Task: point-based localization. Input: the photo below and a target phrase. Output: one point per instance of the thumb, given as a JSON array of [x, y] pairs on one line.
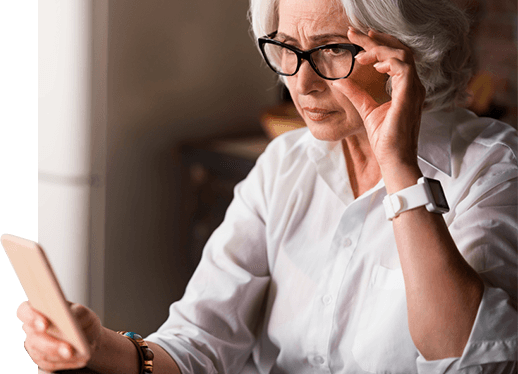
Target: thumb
[[361, 100]]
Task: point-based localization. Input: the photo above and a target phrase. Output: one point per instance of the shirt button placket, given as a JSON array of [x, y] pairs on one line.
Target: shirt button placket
[[319, 360], [327, 299], [346, 242], [316, 360]]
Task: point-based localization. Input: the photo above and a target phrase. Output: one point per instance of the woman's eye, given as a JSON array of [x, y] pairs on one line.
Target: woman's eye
[[334, 51]]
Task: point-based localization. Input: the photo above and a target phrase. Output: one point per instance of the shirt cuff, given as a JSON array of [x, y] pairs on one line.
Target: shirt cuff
[[188, 359], [493, 337]]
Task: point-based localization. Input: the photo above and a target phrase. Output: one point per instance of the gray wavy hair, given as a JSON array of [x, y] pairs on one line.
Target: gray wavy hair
[[436, 31]]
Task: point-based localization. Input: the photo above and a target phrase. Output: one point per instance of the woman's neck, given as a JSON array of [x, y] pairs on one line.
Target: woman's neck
[[362, 166]]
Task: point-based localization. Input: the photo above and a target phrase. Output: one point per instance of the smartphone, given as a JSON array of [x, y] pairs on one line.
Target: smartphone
[[43, 290]]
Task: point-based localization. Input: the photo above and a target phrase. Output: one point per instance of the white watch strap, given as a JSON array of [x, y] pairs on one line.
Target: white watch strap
[[406, 199]]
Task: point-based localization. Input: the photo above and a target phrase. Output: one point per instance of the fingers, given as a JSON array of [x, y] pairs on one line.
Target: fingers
[[374, 39], [358, 96], [42, 346], [48, 352], [377, 38], [389, 56], [394, 67], [381, 54], [52, 354], [89, 322], [31, 317], [379, 47]]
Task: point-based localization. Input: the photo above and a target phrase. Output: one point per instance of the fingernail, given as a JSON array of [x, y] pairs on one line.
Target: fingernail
[[65, 352], [40, 325], [360, 54], [376, 65]]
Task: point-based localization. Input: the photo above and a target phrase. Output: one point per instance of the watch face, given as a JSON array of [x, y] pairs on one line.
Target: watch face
[[438, 194]]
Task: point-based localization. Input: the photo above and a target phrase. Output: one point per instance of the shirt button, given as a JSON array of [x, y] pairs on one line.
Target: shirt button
[[327, 299], [346, 242], [319, 360]]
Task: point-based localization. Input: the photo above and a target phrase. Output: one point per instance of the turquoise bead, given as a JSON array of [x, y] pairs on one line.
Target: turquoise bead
[[133, 335]]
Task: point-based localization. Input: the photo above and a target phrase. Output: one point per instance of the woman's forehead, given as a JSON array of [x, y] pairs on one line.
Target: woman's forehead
[[309, 17]]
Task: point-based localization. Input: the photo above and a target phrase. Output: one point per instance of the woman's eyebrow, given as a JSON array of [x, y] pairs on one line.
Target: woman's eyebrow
[[285, 38], [319, 38], [322, 38]]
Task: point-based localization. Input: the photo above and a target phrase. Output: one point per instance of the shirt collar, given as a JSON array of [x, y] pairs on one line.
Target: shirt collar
[[330, 165], [434, 145], [319, 149]]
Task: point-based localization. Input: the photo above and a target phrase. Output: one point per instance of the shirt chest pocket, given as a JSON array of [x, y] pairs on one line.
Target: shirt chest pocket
[[382, 342]]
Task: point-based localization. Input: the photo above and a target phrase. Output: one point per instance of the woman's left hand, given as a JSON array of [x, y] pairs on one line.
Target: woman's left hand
[[392, 127]]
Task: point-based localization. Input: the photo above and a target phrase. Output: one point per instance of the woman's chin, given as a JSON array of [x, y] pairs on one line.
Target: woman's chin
[[327, 131]]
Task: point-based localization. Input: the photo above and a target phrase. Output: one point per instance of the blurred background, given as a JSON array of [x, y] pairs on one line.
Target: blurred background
[[149, 112]]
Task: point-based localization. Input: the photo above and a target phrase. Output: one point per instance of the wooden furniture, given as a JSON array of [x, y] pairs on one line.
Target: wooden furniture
[[210, 171]]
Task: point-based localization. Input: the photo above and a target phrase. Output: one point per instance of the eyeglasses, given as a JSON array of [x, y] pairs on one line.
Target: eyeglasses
[[331, 61]]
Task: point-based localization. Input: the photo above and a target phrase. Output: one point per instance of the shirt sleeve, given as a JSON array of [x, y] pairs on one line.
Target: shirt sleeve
[[212, 328], [485, 231]]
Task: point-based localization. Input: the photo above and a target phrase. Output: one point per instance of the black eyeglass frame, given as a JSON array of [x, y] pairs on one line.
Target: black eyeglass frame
[[306, 55]]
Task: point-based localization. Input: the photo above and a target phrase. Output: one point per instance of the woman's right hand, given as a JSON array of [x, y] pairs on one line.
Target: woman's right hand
[[51, 354]]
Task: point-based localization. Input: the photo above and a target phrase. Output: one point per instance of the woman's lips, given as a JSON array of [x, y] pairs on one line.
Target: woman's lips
[[318, 114]]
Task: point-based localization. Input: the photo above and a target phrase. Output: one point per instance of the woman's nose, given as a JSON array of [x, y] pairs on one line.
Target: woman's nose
[[308, 80]]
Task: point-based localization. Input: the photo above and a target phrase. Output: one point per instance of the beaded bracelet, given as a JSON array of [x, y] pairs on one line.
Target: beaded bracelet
[[145, 353]]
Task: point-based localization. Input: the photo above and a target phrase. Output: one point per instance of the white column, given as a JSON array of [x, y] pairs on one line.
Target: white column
[[67, 178]]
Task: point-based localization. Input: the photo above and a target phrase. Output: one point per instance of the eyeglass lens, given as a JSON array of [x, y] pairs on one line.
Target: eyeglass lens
[[331, 62]]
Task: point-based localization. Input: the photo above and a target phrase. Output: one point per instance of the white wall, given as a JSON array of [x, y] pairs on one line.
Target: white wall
[[177, 70]]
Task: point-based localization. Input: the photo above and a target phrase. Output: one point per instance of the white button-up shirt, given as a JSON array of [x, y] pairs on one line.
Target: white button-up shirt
[[301, 277]]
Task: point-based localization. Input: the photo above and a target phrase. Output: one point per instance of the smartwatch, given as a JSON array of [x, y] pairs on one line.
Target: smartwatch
[[426, 192]]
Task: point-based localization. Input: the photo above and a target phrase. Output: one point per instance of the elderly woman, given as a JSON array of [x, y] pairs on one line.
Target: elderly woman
[[381, 238]]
